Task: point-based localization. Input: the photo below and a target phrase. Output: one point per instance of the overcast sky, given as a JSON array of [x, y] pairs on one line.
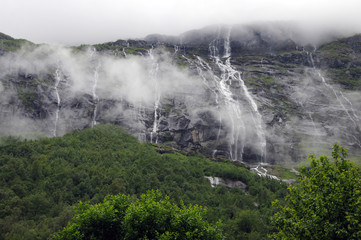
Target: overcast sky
[[95, 21]]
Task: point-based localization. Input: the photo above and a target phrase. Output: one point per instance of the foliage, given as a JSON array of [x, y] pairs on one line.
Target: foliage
[[8, 43], [151, 217], [27, 97], [349, 78], [41, 180], [342, 58], [6, 140], [114, 47], [326, 204]]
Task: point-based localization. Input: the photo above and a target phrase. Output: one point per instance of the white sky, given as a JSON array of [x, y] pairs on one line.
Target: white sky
[[96, 21]]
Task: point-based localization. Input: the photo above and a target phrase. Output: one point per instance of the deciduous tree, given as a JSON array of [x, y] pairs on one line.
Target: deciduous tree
[[325, 204], [151, 217]]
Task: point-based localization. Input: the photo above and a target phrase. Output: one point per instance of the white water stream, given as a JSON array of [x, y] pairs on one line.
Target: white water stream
[[154, 77], [213, 180], [57, 81], [341, 99], [228, 76], [338, 94], [94, 94], [94, 88], [227, 102], [262, 172]]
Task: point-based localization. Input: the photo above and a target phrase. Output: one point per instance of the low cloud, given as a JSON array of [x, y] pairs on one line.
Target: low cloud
[[75, 22]]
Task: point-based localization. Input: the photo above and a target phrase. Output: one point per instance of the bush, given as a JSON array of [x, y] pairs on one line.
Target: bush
[[325, 204]]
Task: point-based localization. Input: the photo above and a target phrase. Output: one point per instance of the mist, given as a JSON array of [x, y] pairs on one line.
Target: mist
[[76, 22], [165, 94], [144, 94], [136, 80]]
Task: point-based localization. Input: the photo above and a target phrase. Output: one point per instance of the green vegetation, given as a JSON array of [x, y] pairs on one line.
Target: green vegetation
[[27, 97], [182, 63], [343, 60], [265, 80], [151, 217], [349, 78], [281, 171], [8, 43], [41, 181], [112, 47], [7, 140], [325, 204], [356, 160], [80, 48]]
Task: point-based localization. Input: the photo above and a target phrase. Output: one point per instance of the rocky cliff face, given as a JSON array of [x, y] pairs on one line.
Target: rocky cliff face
[[247, 93]]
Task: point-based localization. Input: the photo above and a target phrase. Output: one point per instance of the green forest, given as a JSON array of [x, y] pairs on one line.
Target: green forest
[[43, 181], [102, 183]]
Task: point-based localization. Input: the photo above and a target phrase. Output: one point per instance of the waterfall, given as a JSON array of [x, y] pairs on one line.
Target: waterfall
[[154, 78], [338, 94], [351, 106], [313, 123], [140, 113], [263, 172], [176, 49], [232, 109], [94, 88], [57, 81], [215, 181], [228, 76], [204, 66], [94, 94], [227, 43]]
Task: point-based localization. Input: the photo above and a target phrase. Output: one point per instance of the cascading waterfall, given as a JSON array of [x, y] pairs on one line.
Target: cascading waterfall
[[94, 94], [263, 172], [226, 101], [154, 77], [142, 136], [338, 95], [57, 81], [223, 99], [94, 88], [204, 66], [227, 44], [228, 75], [353, 118], [351, 106], [213, 180], [313, 123], [176, 49]]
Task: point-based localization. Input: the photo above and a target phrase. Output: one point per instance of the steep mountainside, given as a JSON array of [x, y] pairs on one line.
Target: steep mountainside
[[248, 93]]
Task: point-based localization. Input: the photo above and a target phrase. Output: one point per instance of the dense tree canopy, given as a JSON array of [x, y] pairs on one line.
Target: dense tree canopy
[[325, 204], [151, 217], [41, 181]]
